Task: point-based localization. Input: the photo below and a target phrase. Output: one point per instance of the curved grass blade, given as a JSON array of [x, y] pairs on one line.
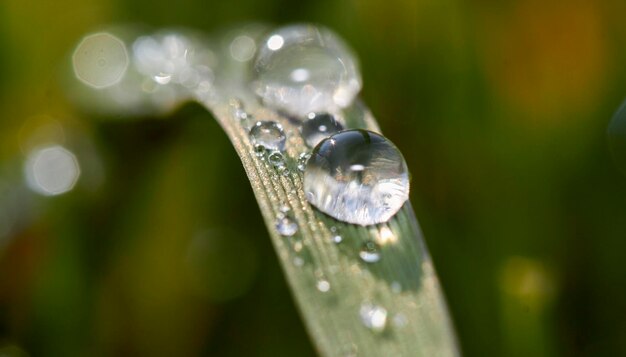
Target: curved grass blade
[[335, 289]]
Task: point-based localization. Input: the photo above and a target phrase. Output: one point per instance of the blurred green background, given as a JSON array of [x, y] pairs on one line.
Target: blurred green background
[[500, 108]]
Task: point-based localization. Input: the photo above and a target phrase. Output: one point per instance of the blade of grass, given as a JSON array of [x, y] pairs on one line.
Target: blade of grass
[[403, 282]]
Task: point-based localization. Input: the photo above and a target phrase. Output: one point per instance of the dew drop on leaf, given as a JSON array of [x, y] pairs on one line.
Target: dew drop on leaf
[[357, 176], [270, 134], [303, 68]]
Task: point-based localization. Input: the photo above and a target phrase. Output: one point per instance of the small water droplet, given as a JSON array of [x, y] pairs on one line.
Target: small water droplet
[[373, 316], [277, 160], [284, 208], [286, 226], [302, 160], [270, 134], [245, 119], [302, 68], [323, 285], [370, 252], [357, 176], [337, 239], [319, 127], [259, 150]]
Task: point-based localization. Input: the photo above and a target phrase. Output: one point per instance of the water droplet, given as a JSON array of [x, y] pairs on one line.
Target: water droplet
[[302, 160], [357, 176], [370, 252], [277, 160], [286, 226], [319, 127], [337, 239], [245, 119], [270, 134], [373, 316], [259, 151], [302, 68], [323, 285]]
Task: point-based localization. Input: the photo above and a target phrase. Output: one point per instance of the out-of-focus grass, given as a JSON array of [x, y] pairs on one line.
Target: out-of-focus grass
[[500, 109]]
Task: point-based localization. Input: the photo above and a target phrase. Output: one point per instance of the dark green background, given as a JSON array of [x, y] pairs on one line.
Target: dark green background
[[500, 108]]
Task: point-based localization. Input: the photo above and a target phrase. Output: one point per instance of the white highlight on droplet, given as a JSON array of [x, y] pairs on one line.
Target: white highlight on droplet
[[100, 60], [300, 75], [52, 170], [275, 42]]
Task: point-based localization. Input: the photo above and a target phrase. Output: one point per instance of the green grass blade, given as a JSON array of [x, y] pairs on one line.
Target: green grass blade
[[403, 282]]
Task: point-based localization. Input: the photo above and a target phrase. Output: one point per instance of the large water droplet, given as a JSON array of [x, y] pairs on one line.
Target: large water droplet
[[277, 160], [319, 127], [302, 68], [270, 134], [357, 176], [373, 316], [370, 252], [286, 226], [617, 137]]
